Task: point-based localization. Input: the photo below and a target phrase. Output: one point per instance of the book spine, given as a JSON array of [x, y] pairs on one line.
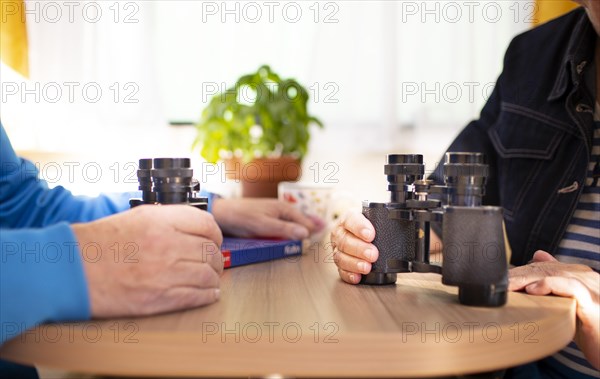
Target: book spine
[[256, 254]]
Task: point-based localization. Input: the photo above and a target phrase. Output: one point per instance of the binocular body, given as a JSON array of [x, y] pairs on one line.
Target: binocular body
[[474, 248], [168, 181]]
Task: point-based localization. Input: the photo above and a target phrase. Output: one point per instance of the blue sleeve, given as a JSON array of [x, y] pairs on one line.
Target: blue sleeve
[[41, 272], [26, 201], [41, 279]]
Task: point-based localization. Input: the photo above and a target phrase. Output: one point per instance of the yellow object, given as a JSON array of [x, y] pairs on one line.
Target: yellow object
[[548, 9], [13, 36]]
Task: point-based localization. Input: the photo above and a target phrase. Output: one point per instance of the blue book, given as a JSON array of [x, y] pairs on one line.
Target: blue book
[[243, 251]]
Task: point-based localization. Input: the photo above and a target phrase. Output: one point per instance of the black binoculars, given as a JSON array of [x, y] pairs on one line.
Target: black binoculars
[[474, 255], [168, 181]]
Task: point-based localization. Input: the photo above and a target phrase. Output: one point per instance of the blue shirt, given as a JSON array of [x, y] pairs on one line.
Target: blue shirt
[[41, 271]]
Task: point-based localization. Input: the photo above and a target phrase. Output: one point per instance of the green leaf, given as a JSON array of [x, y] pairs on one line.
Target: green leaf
[[280, 109]]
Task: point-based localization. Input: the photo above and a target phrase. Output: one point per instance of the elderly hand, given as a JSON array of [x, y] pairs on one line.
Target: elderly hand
[[545, 275], [354, 252], [151, 259], [263, 218]]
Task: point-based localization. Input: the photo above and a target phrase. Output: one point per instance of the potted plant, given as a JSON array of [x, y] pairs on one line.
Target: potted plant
[[260, 128]]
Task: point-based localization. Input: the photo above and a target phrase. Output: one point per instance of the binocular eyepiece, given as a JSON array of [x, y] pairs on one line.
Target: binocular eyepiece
[[168, 181], [474, 250]]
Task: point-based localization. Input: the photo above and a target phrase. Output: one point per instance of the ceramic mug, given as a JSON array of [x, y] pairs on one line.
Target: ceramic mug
[[310, 198]]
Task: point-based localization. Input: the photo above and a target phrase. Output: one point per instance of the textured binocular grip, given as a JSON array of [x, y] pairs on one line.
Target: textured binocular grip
[[395, 239], [474, 249]]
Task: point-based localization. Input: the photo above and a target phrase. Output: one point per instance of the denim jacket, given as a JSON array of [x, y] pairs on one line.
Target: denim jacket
[[536, 131]]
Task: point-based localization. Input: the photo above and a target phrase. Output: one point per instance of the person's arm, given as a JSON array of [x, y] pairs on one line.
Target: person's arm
[[41, 279], [144, 261], [157, 258]]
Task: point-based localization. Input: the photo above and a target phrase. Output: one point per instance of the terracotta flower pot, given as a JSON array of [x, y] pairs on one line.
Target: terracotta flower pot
[[261, 176]]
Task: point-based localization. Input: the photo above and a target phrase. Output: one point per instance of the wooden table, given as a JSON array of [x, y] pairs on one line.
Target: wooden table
[[294, 317]]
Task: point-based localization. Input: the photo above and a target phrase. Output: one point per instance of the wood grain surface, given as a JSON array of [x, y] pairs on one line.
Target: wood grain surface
[[294, 317]]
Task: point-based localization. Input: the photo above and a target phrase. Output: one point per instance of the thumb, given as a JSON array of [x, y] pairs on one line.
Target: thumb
[[542, 256]]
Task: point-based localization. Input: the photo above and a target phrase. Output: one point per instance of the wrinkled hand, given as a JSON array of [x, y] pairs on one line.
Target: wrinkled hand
[[545, 275], [151, 259], [354, 252], [263, 218]]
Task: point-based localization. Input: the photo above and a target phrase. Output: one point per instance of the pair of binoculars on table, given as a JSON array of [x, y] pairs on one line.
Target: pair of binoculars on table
[[168, 181], [474, 255]]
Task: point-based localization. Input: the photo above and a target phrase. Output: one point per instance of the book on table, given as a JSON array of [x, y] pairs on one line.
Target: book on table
[[243, 251]]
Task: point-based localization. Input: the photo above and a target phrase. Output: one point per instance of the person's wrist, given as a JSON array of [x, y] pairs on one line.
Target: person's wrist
[[210, 197], [224, 214], [79, 230], [215, 201]]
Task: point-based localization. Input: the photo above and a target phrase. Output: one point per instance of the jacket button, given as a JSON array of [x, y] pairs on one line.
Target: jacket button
[[580, 67]]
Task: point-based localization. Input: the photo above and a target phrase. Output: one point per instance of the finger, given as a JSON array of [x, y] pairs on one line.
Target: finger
[[537, 270], [199, 250], [190, 220], [290, 213], [561, 286], [319, 222], [348, 243], [272, 227], [358, 225], [351, 264], [212, 255], [542, 256], [519, 277], [179, 298], [194, 248], [519, 282], [192, 274], [349, 277]]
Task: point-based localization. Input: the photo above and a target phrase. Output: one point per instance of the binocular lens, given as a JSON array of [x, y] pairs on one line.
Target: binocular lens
[[165, 180], [404, 158], [402, 170], [172, 178], [465, 175], [465, 158], [161, 163]]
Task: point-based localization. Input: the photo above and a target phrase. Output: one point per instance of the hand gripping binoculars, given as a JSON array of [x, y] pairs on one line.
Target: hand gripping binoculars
[[168, 181], [474, 255]]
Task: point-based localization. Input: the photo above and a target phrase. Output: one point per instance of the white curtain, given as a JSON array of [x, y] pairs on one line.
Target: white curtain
[[375, 64], [371, 66], [92, 84]]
